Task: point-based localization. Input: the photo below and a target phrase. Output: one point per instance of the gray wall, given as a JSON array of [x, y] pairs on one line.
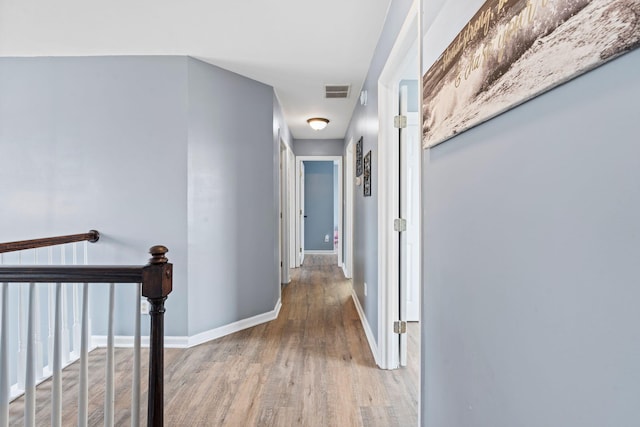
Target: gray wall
[[318, 205], [148, 150], [365, 216], [99, 143], [530, 314], [318, 147], [231, 204]]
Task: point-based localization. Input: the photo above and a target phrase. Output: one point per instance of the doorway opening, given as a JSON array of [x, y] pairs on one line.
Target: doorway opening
[[285, 207], [399, 233], [319, 207]]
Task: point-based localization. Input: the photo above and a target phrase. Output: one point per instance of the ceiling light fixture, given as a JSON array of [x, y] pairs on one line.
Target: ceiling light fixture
[[318, 123]]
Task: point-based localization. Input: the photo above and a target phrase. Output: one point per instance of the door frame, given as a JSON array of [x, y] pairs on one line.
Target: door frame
[[284, 201], [348, 202], [388, 198], [338, 160]]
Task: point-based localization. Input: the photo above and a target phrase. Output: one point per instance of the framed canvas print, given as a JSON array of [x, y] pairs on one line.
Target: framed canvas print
[[359, 157], [367, 174]]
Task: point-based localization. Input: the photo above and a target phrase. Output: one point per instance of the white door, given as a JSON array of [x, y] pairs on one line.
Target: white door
[[302, 213], [348, 204], [291, 185], [409, 210], [284, 218]]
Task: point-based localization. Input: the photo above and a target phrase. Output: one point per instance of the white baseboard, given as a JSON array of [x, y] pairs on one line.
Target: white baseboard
[[320, 252], [367, 328], [202, 337], [345, 271], [240, 325]]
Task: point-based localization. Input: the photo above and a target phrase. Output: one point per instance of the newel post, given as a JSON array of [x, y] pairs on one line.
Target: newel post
[[157, 279]]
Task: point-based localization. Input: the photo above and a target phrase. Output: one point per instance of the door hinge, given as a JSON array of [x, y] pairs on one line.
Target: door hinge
[[280, 263], [400, 122], [300, 250], [399, 327], [400, 224]]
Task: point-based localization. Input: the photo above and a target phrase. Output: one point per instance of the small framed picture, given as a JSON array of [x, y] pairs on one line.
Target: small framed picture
[[359, 157], [367, 174]]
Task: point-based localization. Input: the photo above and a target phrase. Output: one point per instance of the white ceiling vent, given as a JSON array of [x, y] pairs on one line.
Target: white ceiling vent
[[336, 91]]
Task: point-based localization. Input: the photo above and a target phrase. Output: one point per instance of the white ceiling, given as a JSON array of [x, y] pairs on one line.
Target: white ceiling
[[296, 46]]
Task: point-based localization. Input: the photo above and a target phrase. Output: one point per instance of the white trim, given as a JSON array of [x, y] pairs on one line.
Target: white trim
[[345, 271], [320, 252], [367, 328], [201, 338], [235, 326], [388, 201]]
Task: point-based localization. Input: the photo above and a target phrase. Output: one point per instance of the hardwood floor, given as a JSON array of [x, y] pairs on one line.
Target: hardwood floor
[[310, 367]]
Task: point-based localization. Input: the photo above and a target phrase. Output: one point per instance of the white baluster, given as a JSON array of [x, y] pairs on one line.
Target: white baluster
[[89, 329], [30, 371], [4, 357], [109, 395], [76, 309], [22, 332], [83, 392], [22, 338], [65, 317], [37, 333], [56, 399], [135, 393], [52, 315]]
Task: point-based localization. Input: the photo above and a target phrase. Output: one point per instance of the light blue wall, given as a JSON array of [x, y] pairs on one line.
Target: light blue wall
[[318, 147], [232, 211], [99, 143], [530, 302], [318, 205], [365, 123], [148, 150]]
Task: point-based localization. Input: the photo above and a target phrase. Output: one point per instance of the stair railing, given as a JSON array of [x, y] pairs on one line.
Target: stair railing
[[154, 282]]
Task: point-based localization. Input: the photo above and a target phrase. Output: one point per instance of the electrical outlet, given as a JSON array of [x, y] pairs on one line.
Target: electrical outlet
[[144, 306], [326, 238], [365, 289]]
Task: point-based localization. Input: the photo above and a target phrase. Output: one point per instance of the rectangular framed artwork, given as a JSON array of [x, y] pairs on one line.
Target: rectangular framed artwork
[[514, 50], [359, 157], [367, 174]]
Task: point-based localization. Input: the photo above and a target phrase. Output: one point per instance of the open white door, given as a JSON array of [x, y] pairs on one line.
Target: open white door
[[291, 182], [284, 216], [410, 210], [302, 213], [348, 211], [401, 67], [409, 154]]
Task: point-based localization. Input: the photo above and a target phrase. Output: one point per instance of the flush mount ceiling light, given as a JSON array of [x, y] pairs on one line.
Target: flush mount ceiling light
[[318, 123]]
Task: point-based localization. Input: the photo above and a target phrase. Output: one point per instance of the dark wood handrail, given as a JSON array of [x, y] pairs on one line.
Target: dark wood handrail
[[92, 236], [157, 282]]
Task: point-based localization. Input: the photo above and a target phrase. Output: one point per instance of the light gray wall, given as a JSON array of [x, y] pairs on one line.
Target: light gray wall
[[232, 211], [98, 143], [318, 147], [318, 205], [148, 150], [530, 302], [365, 216]]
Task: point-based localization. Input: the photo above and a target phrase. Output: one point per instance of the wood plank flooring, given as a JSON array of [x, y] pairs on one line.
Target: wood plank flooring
[[310, 367]]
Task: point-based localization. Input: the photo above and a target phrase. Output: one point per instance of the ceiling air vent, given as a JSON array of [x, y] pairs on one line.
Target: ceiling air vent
[[337, 91]]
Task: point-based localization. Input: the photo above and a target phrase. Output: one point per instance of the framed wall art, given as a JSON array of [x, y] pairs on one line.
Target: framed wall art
[[367, 174], [359, 157], [512, 51]]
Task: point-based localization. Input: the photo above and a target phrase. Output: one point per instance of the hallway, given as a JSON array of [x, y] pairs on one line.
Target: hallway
[[310, 367]]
